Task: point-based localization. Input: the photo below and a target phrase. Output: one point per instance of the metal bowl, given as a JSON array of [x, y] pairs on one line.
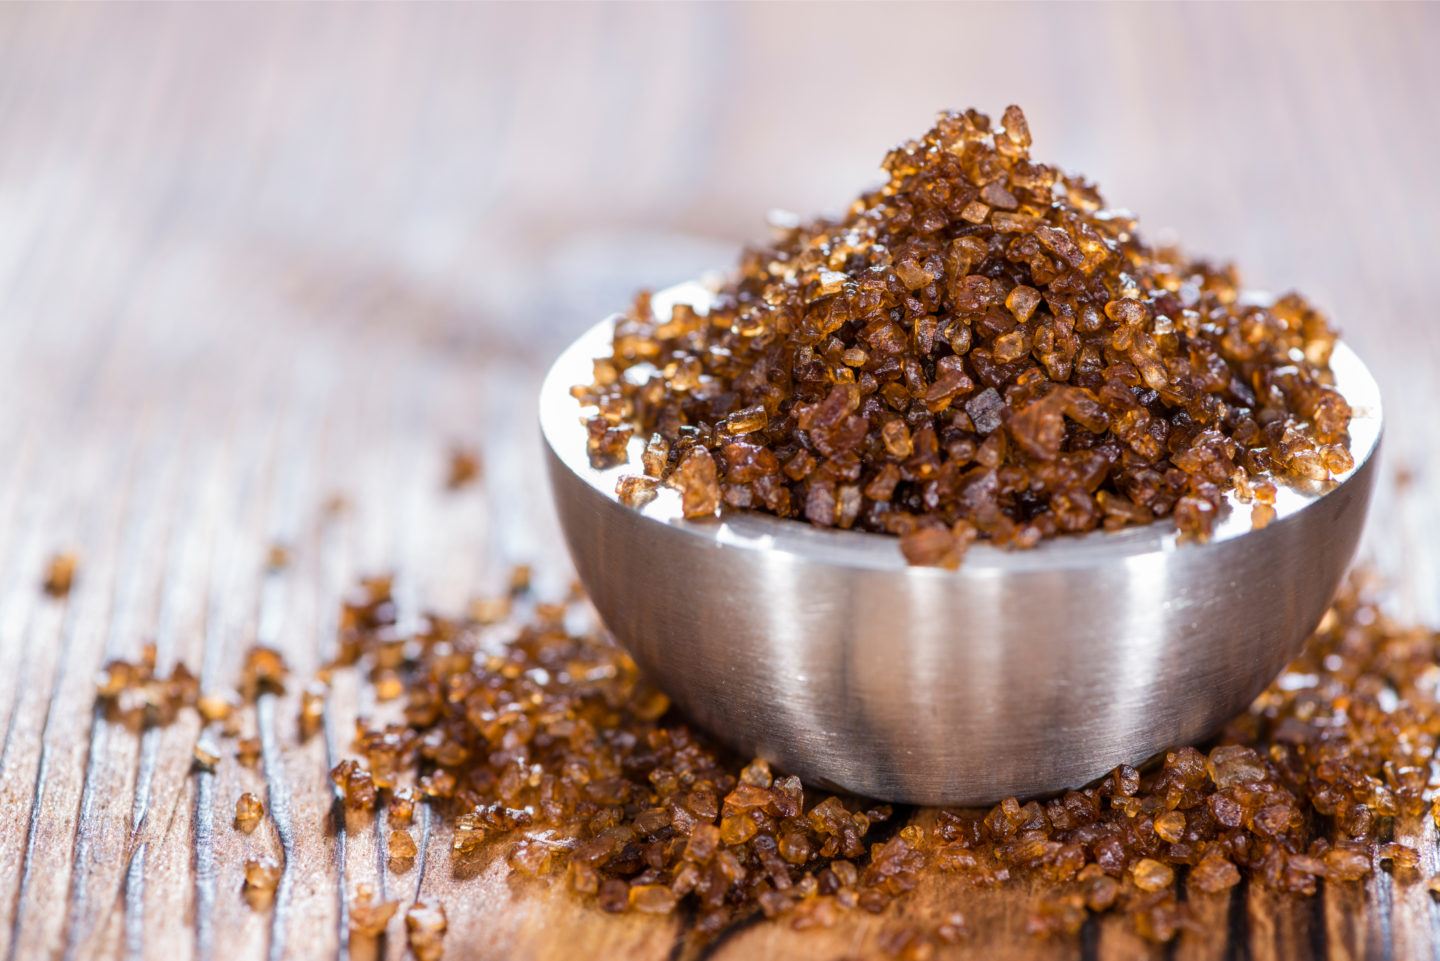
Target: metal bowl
[[1022, 673]]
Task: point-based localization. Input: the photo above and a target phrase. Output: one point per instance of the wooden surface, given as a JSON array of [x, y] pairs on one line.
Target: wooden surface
[[253, 258]]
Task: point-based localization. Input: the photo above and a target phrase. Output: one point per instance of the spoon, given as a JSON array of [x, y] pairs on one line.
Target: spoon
[[1022, 673]]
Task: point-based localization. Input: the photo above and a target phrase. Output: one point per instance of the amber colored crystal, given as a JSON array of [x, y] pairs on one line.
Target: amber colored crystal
[[261, 877], [401, 849], [402, 805], [462, 468], [216, 705], [368, 917], [247, 751], [355, 784], [550, 750], [312, 708], [264, 671], [1151, 875]]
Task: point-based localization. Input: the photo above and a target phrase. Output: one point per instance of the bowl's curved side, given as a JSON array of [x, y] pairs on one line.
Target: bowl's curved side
[[957, 690]]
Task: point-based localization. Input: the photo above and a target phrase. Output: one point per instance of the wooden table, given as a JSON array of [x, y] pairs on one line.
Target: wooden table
[[255, 258]]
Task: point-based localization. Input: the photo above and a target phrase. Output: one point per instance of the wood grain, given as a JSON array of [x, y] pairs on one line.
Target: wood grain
[[254, 259]]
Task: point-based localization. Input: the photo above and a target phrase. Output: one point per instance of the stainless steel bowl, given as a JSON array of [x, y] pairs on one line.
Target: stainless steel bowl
[[1021, 673]]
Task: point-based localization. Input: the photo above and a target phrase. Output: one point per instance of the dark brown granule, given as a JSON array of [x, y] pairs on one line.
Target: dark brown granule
[[978, 348], [463, 468], [60, 574]]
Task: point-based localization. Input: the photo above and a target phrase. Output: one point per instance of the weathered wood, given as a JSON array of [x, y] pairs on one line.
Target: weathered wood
[[252, 259]]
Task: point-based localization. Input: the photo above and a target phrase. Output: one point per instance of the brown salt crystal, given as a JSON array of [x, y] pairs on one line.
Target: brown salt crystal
[[264, 671], [425, 925], [975, 212], [585, 879], [531, 857], [402, 805], [652, 899], [277, 558], [114, 677], [871, 355], [469, 832], [984, 410], [1337, 459], [248, 812], [757, 774], [1401, 856], [1297, 789], [932, 547], [1022, 302], [247, 751], [746, 421], [614, 896], [737, 828], [635, 491], [1152, 875], [952, 930], [1101, 892], [261, 877], [656, 456], [387, 684], [1232, 765], [696, 480], [462, 468], [312, 709], [490, 610], [1343, 864], [60, 574], [207, 755], [401, 849], [897, 438], [216, 705], [1170, 825], [356, 784], [368, 918]]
